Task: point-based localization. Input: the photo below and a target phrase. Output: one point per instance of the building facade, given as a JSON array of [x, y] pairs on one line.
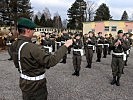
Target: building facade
[[107, 27]]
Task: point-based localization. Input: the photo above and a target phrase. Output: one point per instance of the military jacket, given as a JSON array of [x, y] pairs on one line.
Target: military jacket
[[34, 61], [120, 48], [90, 41], [77, 45]]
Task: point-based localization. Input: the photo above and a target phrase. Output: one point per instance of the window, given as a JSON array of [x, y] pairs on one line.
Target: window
[[106, 28], [114, 28], [93, 30], [129, 30]]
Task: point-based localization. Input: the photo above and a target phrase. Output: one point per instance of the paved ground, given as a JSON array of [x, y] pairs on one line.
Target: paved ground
[[92, 84]]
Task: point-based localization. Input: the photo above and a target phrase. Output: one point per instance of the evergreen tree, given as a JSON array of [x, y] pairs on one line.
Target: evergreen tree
[[42, 20], [57, 23], [12, 10], [36, 20], [102, 13], [124, 16], [76, 14], [49, 23]]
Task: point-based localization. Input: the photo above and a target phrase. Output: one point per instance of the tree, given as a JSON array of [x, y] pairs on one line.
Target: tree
[[57, 23], [90, 10], [36, 20], [42, 20], [102, 13], [47, 13], [12, 10], [4, 12], [64, 23], [49, 23], [124, 16], [76, 14]]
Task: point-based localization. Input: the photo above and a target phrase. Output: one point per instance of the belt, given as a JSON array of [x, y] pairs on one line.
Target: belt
[[118, 54], [81, 51], [106, 44], [49, 48], [40, 77], [62, 41], [89, 45], [59, 43], [8, 43], [100, 45]]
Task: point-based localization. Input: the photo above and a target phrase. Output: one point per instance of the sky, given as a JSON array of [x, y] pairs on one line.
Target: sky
[[116, 7]]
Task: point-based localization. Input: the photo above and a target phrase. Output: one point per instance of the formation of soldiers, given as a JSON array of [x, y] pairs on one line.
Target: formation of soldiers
[[87, 45]]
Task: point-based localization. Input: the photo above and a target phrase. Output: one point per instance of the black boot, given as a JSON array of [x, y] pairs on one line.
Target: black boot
[[77, 73], [113, 81], [104, 56], [87, 66], [74, 73], [10, 59], [125, 63], [122, 71], [63, 61], [98, 60], [118, 81]]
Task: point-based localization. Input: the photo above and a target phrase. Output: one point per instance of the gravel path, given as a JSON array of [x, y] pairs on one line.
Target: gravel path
[[92, 84]]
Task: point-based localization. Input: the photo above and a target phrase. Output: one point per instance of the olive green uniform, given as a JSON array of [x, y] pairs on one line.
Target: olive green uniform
[[117, 63], [34, 62], [99, 47], [47, 42], [90, 45], [105, 47], [77, 56], [64, 38]]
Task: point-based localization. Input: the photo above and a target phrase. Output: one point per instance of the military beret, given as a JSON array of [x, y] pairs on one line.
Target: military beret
[[26, 23], [99, 33], [90, 32], [120, 31], [125, 34], [77, 35]]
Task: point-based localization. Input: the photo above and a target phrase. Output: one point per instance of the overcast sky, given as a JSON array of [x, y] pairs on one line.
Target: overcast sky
[[116, 7]]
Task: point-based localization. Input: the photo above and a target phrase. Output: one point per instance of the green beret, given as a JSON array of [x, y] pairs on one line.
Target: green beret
[[90, 32], [120, 31], [26, 23]]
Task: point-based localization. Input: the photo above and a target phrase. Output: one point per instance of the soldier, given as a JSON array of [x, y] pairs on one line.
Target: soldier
[[64, 38], [99, 46], [90, 46], [47, 43], [52, 37], [127, 41], [58, 41], [110, 43], [105, 46], [118, 57], [9, 41], [32, 61], [77, 53]]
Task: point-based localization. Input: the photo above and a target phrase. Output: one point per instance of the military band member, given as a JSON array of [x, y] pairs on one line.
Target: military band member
[[99, 46], [126, 40], [105, 46], [77, 53], [90, 46], [58, 41], [64, 38], [118, 57], [47, 43], [52, 37], [32, 61], [111, 39]]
